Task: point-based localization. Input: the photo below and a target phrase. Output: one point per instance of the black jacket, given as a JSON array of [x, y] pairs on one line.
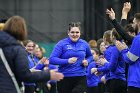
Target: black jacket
[[122, 32], [18, 61]]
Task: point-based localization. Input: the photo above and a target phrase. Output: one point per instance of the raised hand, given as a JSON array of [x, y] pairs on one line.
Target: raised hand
[[111, 13], [126, 7], [125, 10]]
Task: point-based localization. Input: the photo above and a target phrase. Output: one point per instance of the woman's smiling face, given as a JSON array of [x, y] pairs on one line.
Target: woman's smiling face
[[74, 34]]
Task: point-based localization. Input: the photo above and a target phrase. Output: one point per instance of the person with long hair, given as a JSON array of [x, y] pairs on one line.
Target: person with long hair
[[14, 31]]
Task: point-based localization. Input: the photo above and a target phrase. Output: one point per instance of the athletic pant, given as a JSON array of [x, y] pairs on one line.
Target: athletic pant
[[133, 90], [75, 84], [92, 89], [116, 86]]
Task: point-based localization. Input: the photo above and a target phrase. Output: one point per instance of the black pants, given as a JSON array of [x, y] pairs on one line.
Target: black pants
[[72, 85], [92, 89], [101, 87], [116, 86], [133, 90]]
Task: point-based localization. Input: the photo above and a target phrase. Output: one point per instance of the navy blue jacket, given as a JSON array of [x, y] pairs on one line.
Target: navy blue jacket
[[18, 61]]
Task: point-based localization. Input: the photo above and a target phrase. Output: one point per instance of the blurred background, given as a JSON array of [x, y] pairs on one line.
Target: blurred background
[[48, 20]]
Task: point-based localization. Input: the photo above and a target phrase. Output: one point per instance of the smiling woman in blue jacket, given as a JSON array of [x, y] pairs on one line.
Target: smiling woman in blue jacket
[[72, 54]]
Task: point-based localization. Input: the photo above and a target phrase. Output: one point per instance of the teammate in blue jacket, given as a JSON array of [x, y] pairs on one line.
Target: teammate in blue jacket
[[131, 56], [72, 54]]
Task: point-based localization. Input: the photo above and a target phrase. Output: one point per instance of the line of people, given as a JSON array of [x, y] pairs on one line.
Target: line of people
[[121, 55], [74, 66]]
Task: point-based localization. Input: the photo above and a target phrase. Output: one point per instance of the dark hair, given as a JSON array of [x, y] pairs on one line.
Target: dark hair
[[74, 24], [96, 50], [137, 16], [16, 27], [116, 34], [99, 41], [130, 28]]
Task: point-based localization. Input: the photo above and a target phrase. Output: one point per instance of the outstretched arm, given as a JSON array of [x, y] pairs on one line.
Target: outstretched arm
[[125, 11], [118, 27]]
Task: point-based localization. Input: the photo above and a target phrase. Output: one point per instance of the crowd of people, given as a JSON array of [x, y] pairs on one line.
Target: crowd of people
[[110, 64]]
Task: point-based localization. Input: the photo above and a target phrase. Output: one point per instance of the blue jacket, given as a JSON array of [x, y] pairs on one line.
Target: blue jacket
[[116, 65], [107, 56], [18, 61], [133, 58], [92, 79], [32, 62], [66, 49]]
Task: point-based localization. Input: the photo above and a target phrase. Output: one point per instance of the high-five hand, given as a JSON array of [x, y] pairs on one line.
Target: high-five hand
[[111, 13]]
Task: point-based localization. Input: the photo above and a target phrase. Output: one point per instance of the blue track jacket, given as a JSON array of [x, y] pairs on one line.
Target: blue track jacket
[[66, 49], [116, 65], [92, 79], [132, 57]]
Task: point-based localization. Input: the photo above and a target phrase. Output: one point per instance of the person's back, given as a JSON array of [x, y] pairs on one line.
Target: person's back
[[14, 30], [7, 82], [9, 46]]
